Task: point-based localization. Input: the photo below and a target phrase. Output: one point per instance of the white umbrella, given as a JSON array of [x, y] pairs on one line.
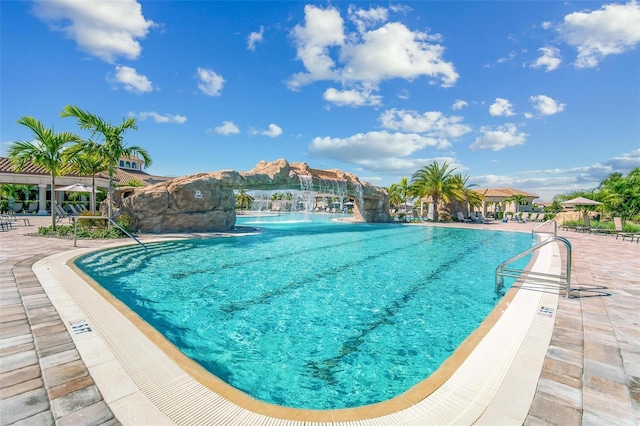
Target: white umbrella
[[582, 202], [81, 187], [76, 187]]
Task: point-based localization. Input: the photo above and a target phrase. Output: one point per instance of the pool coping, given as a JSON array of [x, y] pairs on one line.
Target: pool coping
[[162, 387]]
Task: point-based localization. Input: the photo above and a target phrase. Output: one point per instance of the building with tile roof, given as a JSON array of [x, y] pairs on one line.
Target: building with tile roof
[[494, 200], [130, 172]]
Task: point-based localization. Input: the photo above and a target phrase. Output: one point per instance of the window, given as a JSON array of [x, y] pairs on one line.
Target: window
[[128, 164], [121, 163], [133, 165]]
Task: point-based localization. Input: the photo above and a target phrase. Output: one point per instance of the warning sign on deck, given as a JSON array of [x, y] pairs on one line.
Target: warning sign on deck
[[80, 326]]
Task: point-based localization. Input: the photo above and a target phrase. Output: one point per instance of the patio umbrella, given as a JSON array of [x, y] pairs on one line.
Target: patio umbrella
[[81, 187], [582, 202], [76, 187]]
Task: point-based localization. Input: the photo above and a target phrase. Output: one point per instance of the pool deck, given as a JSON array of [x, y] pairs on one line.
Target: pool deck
[[589, 375]]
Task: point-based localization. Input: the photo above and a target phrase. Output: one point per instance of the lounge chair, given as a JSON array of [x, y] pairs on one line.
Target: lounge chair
[[483, 219], [17, 207], [5, 222], [534, 217], [33, 208], [619, 231], [461, 218]]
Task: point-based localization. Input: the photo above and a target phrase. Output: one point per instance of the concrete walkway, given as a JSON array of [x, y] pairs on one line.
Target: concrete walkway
[[591, 373]]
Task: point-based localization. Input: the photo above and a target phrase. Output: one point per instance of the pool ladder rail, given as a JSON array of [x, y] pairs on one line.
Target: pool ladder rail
[[75, 230], [563, 280], [548, 222]]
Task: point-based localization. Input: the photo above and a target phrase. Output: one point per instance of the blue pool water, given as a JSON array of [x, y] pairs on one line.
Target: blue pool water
[[317, 315]]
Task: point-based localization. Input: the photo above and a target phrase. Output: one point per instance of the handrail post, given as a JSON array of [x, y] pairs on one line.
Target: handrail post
[[500, 270]]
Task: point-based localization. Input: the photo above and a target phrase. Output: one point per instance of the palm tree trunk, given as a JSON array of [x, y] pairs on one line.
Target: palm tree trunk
[[53, 202]]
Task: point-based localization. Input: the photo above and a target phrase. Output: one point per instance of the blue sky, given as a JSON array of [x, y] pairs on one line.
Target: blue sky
[[543, 96]]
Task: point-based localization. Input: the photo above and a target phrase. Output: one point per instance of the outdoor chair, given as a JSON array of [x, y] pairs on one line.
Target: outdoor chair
[[461, 218], [619, 231], [33, 208], [5, 222], [483, 219], [16, 208]]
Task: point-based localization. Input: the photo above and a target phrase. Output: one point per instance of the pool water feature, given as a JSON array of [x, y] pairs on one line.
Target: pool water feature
[[316, 315]]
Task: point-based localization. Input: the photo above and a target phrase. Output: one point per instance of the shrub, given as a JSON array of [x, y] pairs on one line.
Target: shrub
[[84, 222]]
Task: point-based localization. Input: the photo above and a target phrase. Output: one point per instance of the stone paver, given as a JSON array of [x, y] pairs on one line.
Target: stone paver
[[591, 375]]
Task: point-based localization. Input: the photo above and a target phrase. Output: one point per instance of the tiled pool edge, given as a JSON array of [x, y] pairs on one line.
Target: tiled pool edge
[[416, 412]]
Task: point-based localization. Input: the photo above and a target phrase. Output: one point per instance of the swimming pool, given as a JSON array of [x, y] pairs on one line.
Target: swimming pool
[[320, 315]]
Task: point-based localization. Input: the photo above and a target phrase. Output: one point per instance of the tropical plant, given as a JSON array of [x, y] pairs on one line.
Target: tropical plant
[[46, 151], [437, 182], [243, 200], [86, 159], [112, 147], [517, 200], [463, 190], [399, 193], [621, 195]]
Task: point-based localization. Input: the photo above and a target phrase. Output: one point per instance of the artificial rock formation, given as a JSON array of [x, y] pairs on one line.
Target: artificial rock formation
[[205, 202]]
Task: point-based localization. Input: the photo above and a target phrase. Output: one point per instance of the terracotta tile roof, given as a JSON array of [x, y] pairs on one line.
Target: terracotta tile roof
[[32, 169], [127, 176], [503, 192], [121, 176]]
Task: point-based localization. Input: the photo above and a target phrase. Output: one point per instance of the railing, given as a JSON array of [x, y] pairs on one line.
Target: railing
[[75, 229], [555, 227], [503, 271]]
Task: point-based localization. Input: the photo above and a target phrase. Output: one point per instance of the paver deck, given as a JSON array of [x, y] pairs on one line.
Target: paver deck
[[591, 373]]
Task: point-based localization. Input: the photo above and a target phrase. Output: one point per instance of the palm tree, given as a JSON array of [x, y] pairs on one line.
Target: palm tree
[[112, 147], [85, 158], [399, 193], [45, 151], [436, 181], [463, 191], [517, 199], [243, 200]]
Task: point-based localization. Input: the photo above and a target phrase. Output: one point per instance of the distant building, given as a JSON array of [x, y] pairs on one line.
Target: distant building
[[495, 200]]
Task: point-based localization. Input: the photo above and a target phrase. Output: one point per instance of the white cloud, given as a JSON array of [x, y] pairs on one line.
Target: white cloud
[[273, 131], [500, 138], [131, 80], [613, 29], [364, 148], [254, 38], [106, 29], [365, 57], [459, 104], [528, 115], [351, 97], [159, 118], [501, 107], [227, 128], [364, 19], [546, 105], [511, 57], [431, 123], [323, 29], [550, 59], [546, 25], [547, 183], [210, 83]]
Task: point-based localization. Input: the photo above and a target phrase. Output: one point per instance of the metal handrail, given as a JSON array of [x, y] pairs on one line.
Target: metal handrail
[[555, 227], [75, 229], [502, 270]]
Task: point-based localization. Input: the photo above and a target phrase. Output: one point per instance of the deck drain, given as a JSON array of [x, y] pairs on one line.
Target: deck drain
[[547, 312]]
